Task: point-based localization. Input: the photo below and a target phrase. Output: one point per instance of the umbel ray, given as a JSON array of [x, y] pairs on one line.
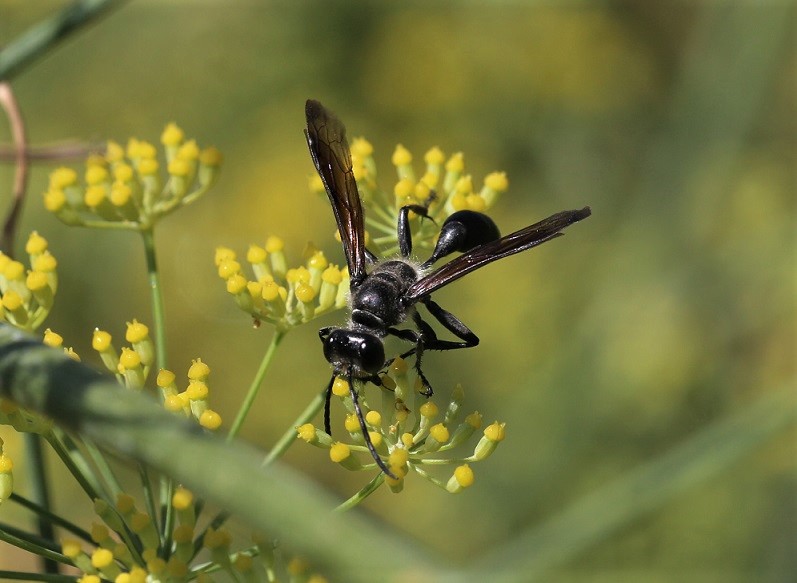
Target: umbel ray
[[384, 293]]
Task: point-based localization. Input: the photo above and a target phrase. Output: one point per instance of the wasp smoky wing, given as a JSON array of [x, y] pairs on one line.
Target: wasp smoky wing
[[516, 242], [326, 138]]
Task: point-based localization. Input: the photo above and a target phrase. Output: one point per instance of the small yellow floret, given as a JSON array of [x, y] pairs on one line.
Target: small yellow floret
[[53, 338], [123, 172], [495, 431], [429, 410], [101, 558], [36, 281], [274, 244], [178, 167], [54, 200], [351, 423], [165, 378], [305, 293], [474, 420], [125, 503], [14, 270], [318, 261], [496, 181], [12, 300], [439, 432], [306, 432], [114, 151], [401, 156], [198, 370], [256, 254], [183, 533], [188, 151], [404, 188], [62, 177], [398, 457], [434, 156], [71, 548], [94, 195], [223, 254], [36, 244], [197, 390], [147, 150], [210, 420], [99, 532], [340, 388], [6, 464], [339, 452], [45, 263], [464, 475], [271, 291], [148, 166], [407, 439], [361, 147], [210, 157], [182, 498], [228, 267], [96, 175], [374, 418], [129, 358], [172, 135], [136, 332], [120, 194], [456, 163]]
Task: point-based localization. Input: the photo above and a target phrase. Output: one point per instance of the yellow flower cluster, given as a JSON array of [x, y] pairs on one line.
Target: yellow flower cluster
[[127, 547], [132, 365], [193, 400], [410, 441], [278, 295], [28, 294], [444, 186], [125, 188]]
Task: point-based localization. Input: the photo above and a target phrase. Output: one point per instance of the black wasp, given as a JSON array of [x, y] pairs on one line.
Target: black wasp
[[383, 294]]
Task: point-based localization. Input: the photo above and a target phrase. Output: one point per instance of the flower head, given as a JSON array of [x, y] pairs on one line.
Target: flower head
[[132, 188]]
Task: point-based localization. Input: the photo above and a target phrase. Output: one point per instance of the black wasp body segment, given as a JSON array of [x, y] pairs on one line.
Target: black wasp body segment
[[384, 294]]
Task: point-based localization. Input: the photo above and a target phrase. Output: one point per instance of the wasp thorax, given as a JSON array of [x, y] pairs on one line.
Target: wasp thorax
[[364, 352]]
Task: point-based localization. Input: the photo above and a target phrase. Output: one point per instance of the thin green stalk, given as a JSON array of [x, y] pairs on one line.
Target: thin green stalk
[[45, 34], [114, 487], [77, 466], [257, 383], [36, 549], [20, 576], [290, 435], [159, 324], [51, 517], [366, 491], [38, 474]]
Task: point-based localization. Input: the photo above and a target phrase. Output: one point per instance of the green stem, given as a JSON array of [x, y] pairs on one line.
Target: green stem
[[41, 494], [31, 547], [77, 466], [51, 517], [290, 435], [47, 33], [257, 383], [366, 491], [20, 576], [159, 323]]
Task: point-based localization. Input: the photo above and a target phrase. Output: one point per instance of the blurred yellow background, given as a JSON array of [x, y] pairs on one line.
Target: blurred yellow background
[[670, 309]]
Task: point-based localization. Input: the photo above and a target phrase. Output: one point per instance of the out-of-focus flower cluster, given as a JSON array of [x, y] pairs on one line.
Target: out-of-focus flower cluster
[[126, 188], [133, 363], [408, 440], [443, 185], [276, 294], [28, 294], [126, 547]]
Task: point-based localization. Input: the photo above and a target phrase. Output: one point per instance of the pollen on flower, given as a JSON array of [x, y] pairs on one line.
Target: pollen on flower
[[52, 338], [182, 498], [464, 475], [405, 188], [54, 200], [305, 293], [96, 175], [340, 387], [495, 431], [136, 332], [101, 558], [351, 423], [120, 194], [210, 420], [228, 267], [36, 244], [401, 156], [361, 147], [429, 410], [113, 151], [172, 135], [306, 432], [129, 358], [165, 378], [148, 166], [179, 167], [456, 163], [36, 281], [439, 432], [146, 150], [63, 178], [339, 452], [373, 418]]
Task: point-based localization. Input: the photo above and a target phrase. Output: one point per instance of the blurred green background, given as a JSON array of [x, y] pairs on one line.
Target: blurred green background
[[668, 312]]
